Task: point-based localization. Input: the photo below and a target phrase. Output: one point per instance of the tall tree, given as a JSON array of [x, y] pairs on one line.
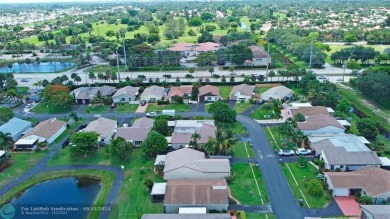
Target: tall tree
[[121, 148], [83, 142], [154, 144]]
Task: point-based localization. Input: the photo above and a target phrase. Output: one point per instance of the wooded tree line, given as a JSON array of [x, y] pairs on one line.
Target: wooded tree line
[[298, 46], [357, 53], [375, 83]]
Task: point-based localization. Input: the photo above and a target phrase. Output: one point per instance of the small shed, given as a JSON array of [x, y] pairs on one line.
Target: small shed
[[158, 192], [26, 144]]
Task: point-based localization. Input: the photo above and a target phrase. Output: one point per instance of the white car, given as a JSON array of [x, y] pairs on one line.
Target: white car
[[302, 151], [152, 114], [322, 77], [285, 152]]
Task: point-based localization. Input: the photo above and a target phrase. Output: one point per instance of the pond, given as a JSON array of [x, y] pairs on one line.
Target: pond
[[74, 192], [43, 67]]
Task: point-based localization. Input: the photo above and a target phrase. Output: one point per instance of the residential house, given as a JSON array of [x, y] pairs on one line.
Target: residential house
[[16, 127], [26, 144], [281, 93], [343, 151], [320, 124], [143, 122], [2, 156], [307, 110], [186, 216], [84, 95], [135, 135], [192, 49], [187, 163], [242, 92], [181, 91], [153, 93], [208, 93], [209, 193], [184, 129], [125, 94], [374, 211], [371, 181], [104, 127], [260, 57], [46, 131]]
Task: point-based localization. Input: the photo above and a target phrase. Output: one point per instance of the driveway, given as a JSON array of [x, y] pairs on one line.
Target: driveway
[[197, 107], [283, 202], [348, 205], [141, 109], [232, 103]]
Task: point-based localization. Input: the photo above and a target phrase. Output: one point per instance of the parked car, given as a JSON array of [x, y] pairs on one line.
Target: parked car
[[125, 125], [24, 80], [339, 79], [113, 105], [183, 66], [302, 151], [257, 164], [152, 114], [322, 77], [143, 103], [285, 152]]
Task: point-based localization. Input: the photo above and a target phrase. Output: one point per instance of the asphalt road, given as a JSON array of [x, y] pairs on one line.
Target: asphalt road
[[283, 202]]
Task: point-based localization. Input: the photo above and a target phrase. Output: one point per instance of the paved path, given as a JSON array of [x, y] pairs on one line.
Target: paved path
[[332, 210], [264, 209], [283, 202], [250, 109], [242, 160]]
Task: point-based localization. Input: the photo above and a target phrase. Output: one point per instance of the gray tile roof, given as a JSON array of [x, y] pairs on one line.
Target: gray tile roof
[[195, 160], [244, 89], [128, 91], [103, 126], [278, 92], [318, 121], [378, 211], [153, 90], [132, 133], [143, 122], [339, 156], [107, 90]]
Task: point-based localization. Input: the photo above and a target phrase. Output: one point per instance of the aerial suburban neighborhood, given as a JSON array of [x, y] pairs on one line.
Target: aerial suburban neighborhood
[[189, 109]]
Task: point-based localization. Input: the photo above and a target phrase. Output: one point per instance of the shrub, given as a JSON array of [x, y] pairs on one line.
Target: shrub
[[252, 101], [148, 183], [314, 187], [315, 161], [365, 199]]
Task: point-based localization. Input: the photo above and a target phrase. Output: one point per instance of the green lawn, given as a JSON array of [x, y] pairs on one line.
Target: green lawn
[[179, 107], [125, 107], [97, 109], [279, 143], [71, 128], [224, 91], [207, 106], [260, 90], [44, 108], [238, 128], [260, 113], [243, 186], [23, 90], [239, 150], [134, 196], [303, 175], [22, 162], [242, 107]]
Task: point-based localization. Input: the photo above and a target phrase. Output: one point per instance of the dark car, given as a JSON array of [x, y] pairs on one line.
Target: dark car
[[143, 103], [24, 80], [113, 105]]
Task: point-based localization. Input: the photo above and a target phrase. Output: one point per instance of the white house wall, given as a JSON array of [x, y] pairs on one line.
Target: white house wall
[[118, 99], [174, 208]]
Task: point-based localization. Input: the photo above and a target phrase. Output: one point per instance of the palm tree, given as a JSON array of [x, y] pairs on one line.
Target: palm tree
[[216, 76], [100, 76], [271, 74], [189, 77], [167, 76], [28, 62], [6, 142], [211, 70], [91, 76], [37, 84], [194, 140]]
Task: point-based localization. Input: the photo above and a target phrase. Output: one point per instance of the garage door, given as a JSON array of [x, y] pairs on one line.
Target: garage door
[[341, 192]]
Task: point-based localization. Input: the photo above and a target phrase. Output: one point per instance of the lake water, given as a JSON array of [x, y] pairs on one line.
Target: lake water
[[43, 67], [58, 193]]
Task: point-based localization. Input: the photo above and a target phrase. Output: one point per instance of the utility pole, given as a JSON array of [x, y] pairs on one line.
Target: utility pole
[[311, 48], [124, 48], [117, 66], [266, 73], [343, 70]]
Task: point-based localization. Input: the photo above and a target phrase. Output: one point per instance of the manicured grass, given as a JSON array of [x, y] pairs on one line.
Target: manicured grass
[[65, 157], [43, 108], [260, 90], [125, 107], [23, 90], [71, 128], [279, 142], [107, 179], [242, 107], [239, 150], [259, 113], [134, 196], [97, 109], [238, 128], [303, 175], [260, 216], [22, 162], [243, 187], [179, 107], [207, 106], [224, 91]]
